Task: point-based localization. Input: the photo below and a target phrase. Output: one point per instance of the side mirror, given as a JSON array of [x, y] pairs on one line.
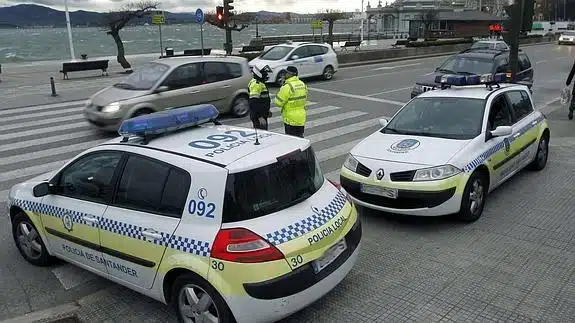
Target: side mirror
[[294, 57], [161, 89], [43, 189], [383, 122], [502, 131]]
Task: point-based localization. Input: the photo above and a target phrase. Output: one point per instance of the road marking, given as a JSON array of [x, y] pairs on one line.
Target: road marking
[[279, 118], [50, 152], [373, 75], [46, 140], [392, 67], [326, 120], [41, 122], [42, 107], [31, 171], [333, 175], [336, 151], [542, 61], [355, 96], [4, 195], [39, 114], [332, 133], [41, 130], [391, 91]]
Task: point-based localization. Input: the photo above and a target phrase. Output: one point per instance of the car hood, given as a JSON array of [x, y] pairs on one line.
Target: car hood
[[261, 63], [418, 150], [429, 80], [113, 94]]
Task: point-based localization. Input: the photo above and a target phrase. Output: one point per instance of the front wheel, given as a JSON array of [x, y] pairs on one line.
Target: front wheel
[[328, 73], [473, 199], [194, 300], [240, 106], [29, 242]]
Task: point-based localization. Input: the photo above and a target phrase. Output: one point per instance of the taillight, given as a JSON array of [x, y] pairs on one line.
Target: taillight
[[242, 245]]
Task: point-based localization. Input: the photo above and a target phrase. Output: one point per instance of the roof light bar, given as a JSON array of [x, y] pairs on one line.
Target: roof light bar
[[168, 121], [462, 80]]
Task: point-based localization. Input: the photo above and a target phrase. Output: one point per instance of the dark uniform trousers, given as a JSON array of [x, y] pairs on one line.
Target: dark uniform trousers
[[294, 130]]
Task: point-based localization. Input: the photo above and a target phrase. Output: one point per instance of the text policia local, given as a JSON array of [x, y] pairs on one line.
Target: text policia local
[[97, 259]]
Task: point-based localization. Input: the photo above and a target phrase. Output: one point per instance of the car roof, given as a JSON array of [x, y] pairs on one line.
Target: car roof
[[470, 91], [298, 44], [179, 60], [226, 155]]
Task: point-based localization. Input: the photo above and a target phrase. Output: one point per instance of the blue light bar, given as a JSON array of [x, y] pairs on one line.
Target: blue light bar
[[499, 77], [461, 80], [451, 79], [168, 121]]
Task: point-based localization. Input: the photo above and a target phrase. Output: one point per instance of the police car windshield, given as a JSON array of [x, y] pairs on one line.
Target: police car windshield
[[276, 53], [272, 188], [444, 117], [467, 65], [143, 78]]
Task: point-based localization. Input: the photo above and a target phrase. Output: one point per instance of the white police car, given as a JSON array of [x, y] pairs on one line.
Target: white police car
[[445, 150], [311, 60], [218, 221]]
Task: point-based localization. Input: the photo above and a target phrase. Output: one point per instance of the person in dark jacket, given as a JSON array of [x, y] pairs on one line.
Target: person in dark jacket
[[260, 103], [572, 103]]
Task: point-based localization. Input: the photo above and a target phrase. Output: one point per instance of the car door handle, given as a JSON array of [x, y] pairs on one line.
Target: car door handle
[[152, 234], [90, 219]]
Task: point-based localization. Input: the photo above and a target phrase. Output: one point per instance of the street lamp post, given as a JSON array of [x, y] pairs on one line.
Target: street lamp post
[[361, 27], [69, 30]]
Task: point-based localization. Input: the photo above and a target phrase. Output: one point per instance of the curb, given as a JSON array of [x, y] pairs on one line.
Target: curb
[[407, 58], [65, 313]]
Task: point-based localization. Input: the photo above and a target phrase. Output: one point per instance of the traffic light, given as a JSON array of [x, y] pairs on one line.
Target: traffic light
[[228, 9], [220, 13]]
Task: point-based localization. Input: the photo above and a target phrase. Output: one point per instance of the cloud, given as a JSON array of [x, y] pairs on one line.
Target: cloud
[[299, 6]]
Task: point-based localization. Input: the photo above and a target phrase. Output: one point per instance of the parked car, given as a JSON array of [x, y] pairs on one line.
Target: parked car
[[477, 62], [490, 44], [567, 38], [171, 83], [311, 60]]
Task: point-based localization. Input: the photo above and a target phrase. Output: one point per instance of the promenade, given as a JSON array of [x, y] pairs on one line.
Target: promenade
[[515, 264]]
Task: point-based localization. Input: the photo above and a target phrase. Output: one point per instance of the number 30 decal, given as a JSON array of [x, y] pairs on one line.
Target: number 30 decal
[[201, 208]]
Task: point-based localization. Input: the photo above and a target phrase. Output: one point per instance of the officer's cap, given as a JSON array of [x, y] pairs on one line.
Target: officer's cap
[[292, 70]]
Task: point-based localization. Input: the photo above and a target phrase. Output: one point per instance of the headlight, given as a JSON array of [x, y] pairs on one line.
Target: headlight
[[435, 173], [111, 108], [351, 163]]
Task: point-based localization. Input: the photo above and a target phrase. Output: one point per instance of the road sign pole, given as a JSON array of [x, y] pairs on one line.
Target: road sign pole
[[161, 43], [202, 37], [200, 19]]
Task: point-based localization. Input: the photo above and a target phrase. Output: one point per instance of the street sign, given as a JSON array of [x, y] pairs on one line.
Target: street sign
[[200, 16], [158, 19], [317, 24]]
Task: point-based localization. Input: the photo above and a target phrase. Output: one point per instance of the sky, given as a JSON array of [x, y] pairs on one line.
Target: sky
[[299, 6]]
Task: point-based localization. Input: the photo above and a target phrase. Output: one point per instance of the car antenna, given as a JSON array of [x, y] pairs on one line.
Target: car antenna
[[257, 140]]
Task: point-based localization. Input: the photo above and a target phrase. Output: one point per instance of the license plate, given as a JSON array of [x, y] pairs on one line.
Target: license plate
[[329, 256], [381, 191]]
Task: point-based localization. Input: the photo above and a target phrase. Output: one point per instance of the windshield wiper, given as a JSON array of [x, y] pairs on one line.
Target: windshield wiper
[[124, 86]]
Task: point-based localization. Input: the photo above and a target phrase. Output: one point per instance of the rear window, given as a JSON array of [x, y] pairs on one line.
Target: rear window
[[272, 188]]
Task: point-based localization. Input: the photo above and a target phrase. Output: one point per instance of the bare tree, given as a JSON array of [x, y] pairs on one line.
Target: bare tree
[[427, 19], [331, 16], [117, 20]]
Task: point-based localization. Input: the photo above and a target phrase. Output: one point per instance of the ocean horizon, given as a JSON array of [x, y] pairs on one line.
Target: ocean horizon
[[22, 45]]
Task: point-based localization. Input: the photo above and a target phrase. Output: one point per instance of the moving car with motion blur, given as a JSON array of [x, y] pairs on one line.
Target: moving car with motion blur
[[445, 150], [567, 38], [476, 62], [311, 60], [223, 223], [170, 83]]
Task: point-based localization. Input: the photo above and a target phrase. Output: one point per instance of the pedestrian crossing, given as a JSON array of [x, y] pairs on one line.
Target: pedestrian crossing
[[38, 139]]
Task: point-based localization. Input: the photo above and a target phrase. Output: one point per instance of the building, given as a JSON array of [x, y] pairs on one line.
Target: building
[[455, 24]]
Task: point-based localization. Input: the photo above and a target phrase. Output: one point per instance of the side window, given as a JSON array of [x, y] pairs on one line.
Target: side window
[[184, 76], [499, 113], [317, 50], [502, 65], [524, 62], [302, 52], [216, 72], [235, 69], [90, 177], [150, 186], [520, 104]]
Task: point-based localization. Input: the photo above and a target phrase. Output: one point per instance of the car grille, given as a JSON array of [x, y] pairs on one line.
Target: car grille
[[363, 170], [406, 176]]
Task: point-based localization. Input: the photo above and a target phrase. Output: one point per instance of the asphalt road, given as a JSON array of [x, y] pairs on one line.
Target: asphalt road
[[516, 263]]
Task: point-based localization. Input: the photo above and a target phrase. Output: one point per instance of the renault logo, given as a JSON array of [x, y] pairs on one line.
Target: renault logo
[[379, 174]]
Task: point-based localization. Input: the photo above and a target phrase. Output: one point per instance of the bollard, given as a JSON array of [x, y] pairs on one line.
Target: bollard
[[53, 86]]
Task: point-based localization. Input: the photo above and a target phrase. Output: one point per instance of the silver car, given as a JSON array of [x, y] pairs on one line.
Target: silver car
[[171, 83]]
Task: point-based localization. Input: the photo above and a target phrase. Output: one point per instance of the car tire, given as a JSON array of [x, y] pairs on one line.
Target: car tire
[[474, 197], [280, 78], [189, 292], [542, 154], [241, 106], [328, 73], [29, 242]]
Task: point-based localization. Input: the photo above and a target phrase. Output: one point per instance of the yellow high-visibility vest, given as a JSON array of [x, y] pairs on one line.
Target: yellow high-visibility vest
[[291, 98]]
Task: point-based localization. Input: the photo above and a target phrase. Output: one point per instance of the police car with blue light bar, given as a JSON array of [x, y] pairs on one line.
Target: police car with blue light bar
[[445, 150], [221, 222]]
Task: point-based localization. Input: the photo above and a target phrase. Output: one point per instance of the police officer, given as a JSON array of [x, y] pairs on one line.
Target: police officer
[[291, 99], [260, 102], [572, 103]]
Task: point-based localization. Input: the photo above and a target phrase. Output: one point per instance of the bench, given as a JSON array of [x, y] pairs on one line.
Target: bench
[[197, 52], [84, 66], [400, 42], [247, 49], [353, 43]]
